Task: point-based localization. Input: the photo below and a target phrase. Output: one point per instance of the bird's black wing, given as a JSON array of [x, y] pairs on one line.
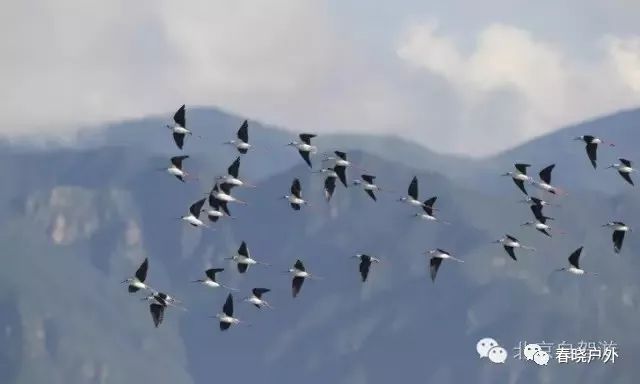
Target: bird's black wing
[[625, 162], [179, 117], [296, 189], [341, 155], [413, 188], [243, 250], [157, 313], [299, 266], [133, 289], [510, 252], [227, 308], [177, 161], [341, 171], [329, 187], [295, 207], [141, 273], [511, 238], [618, 238], [179, 139], [258, 292], [211, 272], [574, 259], [224, 326], [545, 174], [522, 168], [243, 132], [537, 212], [296, 285], [242, 268], [627, 177], [196, 207], [427, 206], [306, 138], [520, 185], [592, 152], [225, 207], [371, 194], [544, 231], [305, 156], [365, 263], [434, 265], [368, 178], [234, 168]]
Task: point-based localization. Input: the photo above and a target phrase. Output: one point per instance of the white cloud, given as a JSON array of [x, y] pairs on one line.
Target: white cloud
[[551, 89]]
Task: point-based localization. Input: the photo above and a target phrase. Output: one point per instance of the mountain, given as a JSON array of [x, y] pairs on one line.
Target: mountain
[[79, 220]]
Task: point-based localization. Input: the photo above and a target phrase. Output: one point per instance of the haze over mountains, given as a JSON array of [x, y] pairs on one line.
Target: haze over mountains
[[77, 221]]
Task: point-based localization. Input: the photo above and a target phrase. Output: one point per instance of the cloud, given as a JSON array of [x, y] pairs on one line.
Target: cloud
[[547, 88]]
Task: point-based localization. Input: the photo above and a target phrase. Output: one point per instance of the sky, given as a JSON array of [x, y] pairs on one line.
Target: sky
[[457, 76]]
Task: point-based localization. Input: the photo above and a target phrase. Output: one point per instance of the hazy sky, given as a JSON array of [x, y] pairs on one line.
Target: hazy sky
[[458, 76]]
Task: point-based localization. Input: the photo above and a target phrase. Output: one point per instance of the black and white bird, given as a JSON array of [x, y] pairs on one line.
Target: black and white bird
[[176, 169], [624, 169], [538, 214], [368, 183], [179, 128], [437, 255], [592, 147], [299, 274], [340, 165], [193, 217], [295, 199], [242, 142], [540, 224], [619, 230], [256, 298], [304, 146], [428, 209], [222, 192], [510, 243], [574, 264], [412, 194], [210, 279], [231, 177], [226, 317], [520, 176], [545, 180], [159, 302], [243, 258], [217, 209], [136, 282], [365, 264]]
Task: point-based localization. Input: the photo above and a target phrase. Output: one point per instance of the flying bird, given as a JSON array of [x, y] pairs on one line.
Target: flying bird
[[537, 213], [159, 301], [295, 199], [210, 279], [243, 258], [193, 217], [256, 298], [510, 243], [412, 194], [619, 230], [540, 224], [136, 282], [624, 169], [545, 180], [226, 317], [231, 177], [520, 176], [340, 165], [217, 209], [299, 274], [176, 169], [428, 209], [368, 184], [574, 264], [222, 192], [242, 142], [437, 255], [365, 264], [179, 127], [304, 146], [592, 147]]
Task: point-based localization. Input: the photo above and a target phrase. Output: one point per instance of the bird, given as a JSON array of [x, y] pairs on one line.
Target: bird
[[243, 258], [163, 299], [540, 224], [179, 127], [624, 169], [193, 217], [226, 317], [368, 184], [509, 243], [299, 274], [159, 301], [136, 282], [210, 279], [437, 255], [412, 194], [295, 199], [256, 298], [574, 264], [619, 230], [231, 177], [340, 165], [217, 209], [222, 192], [592, 147], [537, 213], [520, 176], [428, 209], [304, 146], [365, 264], [176, 168], [242, 143], [545, 180]]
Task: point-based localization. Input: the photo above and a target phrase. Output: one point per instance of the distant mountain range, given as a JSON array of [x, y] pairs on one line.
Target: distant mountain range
[[79, 220]]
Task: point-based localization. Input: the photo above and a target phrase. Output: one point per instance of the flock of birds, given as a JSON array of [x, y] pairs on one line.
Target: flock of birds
[[220, 196]]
